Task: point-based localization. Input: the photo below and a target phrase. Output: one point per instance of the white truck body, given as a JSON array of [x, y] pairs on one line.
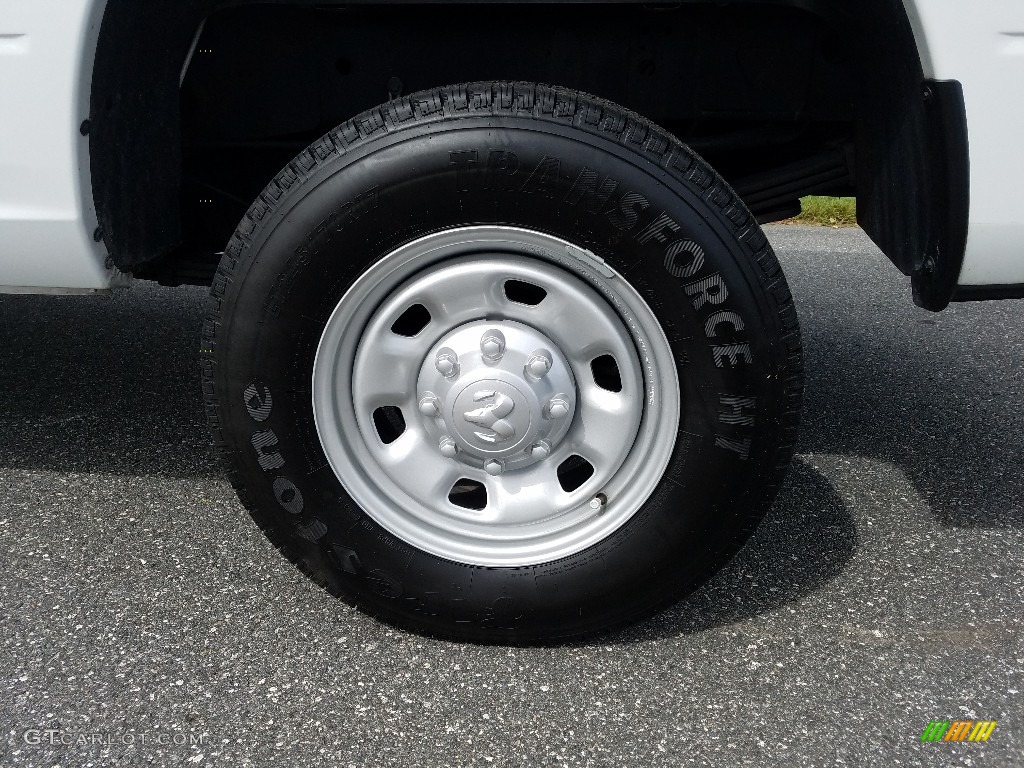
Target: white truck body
[[46, 213], [982, 46]]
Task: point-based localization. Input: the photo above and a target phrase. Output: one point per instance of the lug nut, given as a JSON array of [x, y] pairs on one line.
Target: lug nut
[[448, 447], [540, 451], [539, 364], [556, 408], [447, 363], [492, 345], [493, 467], [430, 405]]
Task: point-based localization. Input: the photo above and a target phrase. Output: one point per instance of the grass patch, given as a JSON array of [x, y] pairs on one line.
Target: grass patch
[[827, 211]]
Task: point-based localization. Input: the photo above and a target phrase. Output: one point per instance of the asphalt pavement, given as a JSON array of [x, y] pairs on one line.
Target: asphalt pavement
[[144, 620]]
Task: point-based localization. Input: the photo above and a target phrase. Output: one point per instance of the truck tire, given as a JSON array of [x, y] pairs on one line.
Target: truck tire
[[502, 362]]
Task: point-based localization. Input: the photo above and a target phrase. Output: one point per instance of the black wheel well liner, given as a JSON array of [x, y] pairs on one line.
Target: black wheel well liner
[[137, 159]]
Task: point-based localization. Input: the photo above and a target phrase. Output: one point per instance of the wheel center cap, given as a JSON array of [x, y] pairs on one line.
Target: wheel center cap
[[492, 415], [497, 395]]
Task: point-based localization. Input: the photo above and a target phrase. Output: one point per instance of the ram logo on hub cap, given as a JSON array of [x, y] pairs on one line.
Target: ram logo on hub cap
[[492, 416]]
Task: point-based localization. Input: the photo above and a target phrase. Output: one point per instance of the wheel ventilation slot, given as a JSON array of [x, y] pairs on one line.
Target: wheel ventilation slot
[[522, 292], [412, 321], [606, 373], [468, 494], [389, 423], [574, 472]]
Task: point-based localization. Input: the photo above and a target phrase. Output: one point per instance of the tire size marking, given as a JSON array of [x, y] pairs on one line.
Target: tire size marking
[[338, 219]]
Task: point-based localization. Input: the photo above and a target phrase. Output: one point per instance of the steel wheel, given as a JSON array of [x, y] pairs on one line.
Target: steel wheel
[[510, 399]]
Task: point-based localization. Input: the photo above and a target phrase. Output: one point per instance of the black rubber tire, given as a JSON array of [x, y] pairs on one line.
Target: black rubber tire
[[507, 153]]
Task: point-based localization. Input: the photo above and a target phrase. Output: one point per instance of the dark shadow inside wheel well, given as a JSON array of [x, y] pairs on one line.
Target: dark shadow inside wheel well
[[196, 105]]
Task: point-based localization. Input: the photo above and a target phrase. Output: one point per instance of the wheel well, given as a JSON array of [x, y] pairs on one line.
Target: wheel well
[[195, 106]]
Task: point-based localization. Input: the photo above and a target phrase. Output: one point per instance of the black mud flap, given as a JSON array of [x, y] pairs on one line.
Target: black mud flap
[[935, 273]]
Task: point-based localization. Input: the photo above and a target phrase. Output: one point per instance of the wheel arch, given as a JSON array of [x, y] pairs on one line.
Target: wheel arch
[[136, 138]]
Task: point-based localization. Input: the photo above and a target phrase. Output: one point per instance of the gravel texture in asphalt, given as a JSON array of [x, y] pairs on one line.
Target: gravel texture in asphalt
[[141, 608]]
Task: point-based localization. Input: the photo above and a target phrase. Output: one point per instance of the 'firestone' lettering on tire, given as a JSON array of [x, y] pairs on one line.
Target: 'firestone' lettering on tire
[[259, 404]]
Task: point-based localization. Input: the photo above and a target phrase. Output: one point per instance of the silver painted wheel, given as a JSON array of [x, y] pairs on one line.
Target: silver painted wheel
[[496, 396]]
